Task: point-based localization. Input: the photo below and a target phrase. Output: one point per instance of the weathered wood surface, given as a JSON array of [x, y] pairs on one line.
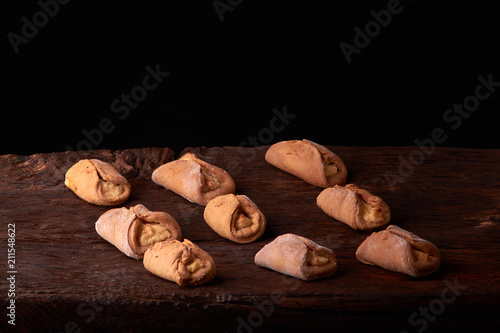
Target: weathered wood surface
[[69, 279]]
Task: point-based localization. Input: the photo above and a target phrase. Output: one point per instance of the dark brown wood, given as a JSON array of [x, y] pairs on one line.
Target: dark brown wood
[[69, 279]]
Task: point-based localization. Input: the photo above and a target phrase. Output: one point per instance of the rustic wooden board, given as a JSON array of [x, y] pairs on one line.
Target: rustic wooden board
[[71, 280]]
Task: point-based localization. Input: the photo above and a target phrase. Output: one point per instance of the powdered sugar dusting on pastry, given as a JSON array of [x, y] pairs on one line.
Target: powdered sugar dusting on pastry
[[191, 179], [113, 226]]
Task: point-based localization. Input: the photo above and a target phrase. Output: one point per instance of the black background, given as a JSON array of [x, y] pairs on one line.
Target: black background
[[226, 76]]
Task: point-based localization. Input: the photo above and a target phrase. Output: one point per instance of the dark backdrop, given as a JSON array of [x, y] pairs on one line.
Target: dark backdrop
[[247, 72]]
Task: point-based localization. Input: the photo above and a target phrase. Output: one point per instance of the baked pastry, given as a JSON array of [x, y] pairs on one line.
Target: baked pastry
[[398, 250], [309, 161], [235, 217], [297, 256], [194, 179], [97, 182], [355, 207], [181, 262], [151, 227], [137, 229]]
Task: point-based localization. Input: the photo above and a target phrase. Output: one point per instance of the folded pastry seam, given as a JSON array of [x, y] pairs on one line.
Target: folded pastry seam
[[399, 250], [355, 207], [235, 217], [137, 229], [297, 256], [194, 179], [97, 182], [310, 161], [184, 263]]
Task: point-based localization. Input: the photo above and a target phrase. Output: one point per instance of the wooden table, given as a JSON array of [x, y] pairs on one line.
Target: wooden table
[[68, 279]]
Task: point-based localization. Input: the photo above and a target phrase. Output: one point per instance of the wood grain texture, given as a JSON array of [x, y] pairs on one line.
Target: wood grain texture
[[69, 278]]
